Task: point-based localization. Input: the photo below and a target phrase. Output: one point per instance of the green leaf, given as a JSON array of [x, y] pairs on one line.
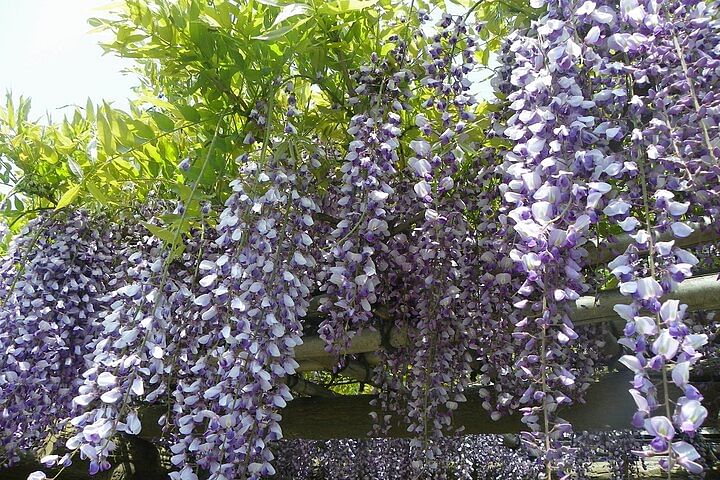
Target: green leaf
[[611, 283], [343, 6], [158, 102], [202, 38], [162, 233], [10, 111], [282, 31], [142, 130], [290, 11], [485, 56], [68, 197], [189, 113], [184, 191], [497, 142], [97, 193], [176, 252], [387, 48], [105, 134], [272, 3], [153, 152], [75, 167], [163, 121]]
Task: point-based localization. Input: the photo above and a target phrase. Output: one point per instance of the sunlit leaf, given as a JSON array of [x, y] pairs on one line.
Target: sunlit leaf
[[189, 113], [105, 134], [290, 11], [163, 234], [343, 6], [97, 193], [68, 197], [164, 122], [282, 31]]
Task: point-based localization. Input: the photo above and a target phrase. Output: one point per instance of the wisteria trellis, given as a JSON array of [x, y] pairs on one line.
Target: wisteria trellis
[[606, 115]]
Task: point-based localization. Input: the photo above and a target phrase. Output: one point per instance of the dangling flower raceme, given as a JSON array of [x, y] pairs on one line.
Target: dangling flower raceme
[[577, 112], [352, 283], [54, 278]]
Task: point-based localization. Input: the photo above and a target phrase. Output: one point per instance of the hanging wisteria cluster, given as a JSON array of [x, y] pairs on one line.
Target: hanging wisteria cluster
[[613, 117], [256, 277], [473, 252], [427, 379], [54, 277], [352, 283]]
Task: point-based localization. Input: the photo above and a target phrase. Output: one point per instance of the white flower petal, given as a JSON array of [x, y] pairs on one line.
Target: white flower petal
[[106, 379], [632, 362], [681, 230], [665, 345], [112, 396]]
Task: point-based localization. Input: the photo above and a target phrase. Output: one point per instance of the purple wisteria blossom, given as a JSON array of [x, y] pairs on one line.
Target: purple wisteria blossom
[[53, 281], [600, 135]]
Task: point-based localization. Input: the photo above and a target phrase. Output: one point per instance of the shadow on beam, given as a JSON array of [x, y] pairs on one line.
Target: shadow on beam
[[609, 406]]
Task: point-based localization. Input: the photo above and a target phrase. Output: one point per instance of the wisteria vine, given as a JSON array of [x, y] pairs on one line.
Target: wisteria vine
[[467, 230]]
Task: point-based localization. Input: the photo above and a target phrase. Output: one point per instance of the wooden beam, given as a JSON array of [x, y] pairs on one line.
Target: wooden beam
[[609, 407], [305, 387], [365, 341], [703, 232], [699, 293], [362, 372]]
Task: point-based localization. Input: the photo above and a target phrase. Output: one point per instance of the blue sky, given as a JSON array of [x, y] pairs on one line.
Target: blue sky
[[48, 54]]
